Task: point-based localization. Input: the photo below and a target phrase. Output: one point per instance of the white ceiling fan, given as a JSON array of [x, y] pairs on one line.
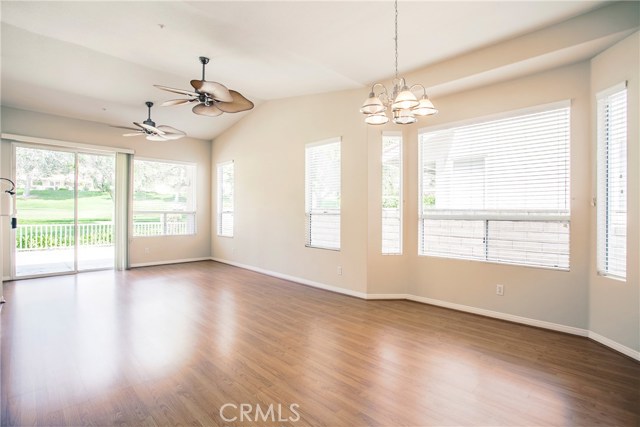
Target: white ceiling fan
[[153, 132], [213, 98]]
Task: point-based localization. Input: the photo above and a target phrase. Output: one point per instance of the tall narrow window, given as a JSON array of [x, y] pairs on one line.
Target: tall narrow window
[[225, 198], [322, 194], [164, 198], [392, 193], [612, 182], [498, 190]]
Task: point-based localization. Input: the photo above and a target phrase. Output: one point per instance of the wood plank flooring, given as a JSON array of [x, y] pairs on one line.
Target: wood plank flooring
[[173, 345]]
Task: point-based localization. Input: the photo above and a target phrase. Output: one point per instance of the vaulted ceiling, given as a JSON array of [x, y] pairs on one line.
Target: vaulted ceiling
[[98, 60]]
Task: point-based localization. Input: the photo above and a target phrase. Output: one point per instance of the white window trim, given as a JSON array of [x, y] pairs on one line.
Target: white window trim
[[219, 211], [498, 116], [193, 212], [605, 93], [541, 215], [401, 201], [327, 141]]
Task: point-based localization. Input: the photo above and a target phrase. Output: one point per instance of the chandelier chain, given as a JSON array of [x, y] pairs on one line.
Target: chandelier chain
[[396, 36]]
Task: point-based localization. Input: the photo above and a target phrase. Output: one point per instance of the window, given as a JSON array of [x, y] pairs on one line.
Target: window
[[163, 198], [225, 199], [392, 193], [322, 194], [498, 190], [612, 182]]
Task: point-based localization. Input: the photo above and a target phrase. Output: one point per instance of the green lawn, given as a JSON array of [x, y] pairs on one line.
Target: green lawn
[[57, 206]]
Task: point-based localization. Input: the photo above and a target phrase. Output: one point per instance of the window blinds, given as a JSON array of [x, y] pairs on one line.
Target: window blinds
[[498, 190], [225, 198], [322, 194], [392, 193], [612, 182]]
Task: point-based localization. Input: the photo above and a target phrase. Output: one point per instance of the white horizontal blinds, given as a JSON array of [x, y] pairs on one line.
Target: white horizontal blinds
[[322, 194], [164, 201], [225, 182], [612, 182], [392, 193], [498, 190]]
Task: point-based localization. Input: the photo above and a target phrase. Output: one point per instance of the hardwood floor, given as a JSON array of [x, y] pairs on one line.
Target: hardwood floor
[[173, 345]]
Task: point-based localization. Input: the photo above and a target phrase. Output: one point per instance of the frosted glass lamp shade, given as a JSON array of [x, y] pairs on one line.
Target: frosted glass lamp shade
[[372, 105], [425, 107], [404, 100], [376, 119]]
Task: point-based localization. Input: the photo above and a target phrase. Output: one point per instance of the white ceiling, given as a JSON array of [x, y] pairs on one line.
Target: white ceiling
[[98, 60]]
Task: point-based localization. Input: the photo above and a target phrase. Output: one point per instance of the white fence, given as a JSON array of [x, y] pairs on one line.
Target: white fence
[[31, 237]]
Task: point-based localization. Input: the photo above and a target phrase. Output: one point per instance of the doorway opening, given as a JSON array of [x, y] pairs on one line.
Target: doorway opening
[[65, 206]]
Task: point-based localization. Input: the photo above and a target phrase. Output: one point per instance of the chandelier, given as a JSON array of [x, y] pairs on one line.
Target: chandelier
[[402, 102]]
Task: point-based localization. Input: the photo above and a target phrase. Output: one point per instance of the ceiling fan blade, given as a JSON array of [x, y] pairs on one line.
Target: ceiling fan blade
[[216, 90], [123, 127], [133, 133], [171, 133], [239, 103], [206, 110], [149, 128], [176, 102], [156, 138], [180, 91]]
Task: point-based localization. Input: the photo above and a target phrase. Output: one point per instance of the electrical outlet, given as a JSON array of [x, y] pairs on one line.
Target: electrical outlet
[[500, 290], [146, 250], [339, 270]]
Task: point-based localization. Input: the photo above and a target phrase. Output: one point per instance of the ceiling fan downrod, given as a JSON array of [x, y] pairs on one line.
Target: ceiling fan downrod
[[149, 122], [204, 61]]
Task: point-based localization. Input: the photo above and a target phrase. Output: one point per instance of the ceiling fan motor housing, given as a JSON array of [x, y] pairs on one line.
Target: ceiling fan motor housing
[[149, 122]]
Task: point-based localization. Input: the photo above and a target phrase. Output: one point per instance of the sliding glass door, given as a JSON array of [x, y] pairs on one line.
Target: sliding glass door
[[65, 211]]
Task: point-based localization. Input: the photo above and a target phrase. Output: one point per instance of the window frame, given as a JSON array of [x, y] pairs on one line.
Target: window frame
[[220, 192], [564, 219], [603, 183], [309, 212], [400, 208], [192, 213]]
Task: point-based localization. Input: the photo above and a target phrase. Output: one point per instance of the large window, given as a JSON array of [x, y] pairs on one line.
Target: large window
[[163, 198], [322, 194], [612, 182], [225, 199], [498, 190], [392, 193]]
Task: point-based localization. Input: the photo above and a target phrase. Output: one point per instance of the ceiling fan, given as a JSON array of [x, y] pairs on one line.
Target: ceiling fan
[[153, 132], [213, 98]]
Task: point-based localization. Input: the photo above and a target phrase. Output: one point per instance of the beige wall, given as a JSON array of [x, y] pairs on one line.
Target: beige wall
[[267, 148], [552, 296], [197, 151], [615, 305]]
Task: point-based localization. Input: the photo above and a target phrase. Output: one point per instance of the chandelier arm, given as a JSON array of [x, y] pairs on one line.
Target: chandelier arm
[[424, 90], [384, 88]]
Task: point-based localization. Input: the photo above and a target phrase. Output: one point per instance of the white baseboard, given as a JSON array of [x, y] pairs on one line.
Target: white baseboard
[[386, 296], [503, 316], [6, 278], [173, 261], [615, 345], [300, 280], [459, 307]]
